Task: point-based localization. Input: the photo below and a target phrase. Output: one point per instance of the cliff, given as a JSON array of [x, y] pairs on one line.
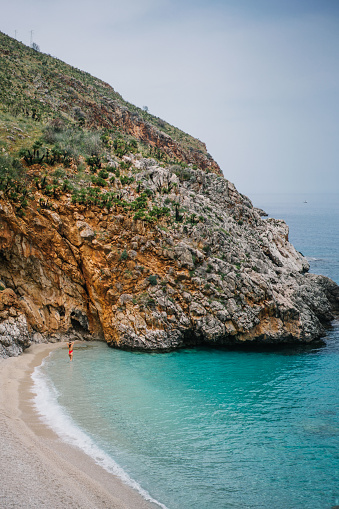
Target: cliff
[[113, 228]]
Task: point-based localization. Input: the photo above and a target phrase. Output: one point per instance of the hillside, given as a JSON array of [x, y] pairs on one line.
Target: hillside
[[44, 89], [115, 225]]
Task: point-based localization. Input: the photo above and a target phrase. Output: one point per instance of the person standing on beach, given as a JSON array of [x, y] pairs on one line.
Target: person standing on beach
[[70, 350]]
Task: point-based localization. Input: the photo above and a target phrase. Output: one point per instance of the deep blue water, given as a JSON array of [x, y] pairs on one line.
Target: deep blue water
[[212, 429]]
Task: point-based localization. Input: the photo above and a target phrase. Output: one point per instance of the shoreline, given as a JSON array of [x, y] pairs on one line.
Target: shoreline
[[36, 467]]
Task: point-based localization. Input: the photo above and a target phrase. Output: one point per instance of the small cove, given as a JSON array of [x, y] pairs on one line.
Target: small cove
[[214, 428]]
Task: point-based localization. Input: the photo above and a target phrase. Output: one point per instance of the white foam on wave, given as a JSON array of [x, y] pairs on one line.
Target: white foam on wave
[[54, 416], [312, 259]]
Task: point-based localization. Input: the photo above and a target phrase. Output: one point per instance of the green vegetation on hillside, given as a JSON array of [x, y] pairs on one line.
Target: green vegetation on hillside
[[68, 137], [42, 88]]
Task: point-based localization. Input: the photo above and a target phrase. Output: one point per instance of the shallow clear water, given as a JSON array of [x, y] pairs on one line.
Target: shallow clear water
[[208, 428]]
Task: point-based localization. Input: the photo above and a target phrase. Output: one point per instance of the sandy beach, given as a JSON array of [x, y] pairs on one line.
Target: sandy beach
[[37, 469]]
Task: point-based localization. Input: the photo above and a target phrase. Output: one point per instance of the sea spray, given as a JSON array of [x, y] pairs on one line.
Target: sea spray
[[56, 417]]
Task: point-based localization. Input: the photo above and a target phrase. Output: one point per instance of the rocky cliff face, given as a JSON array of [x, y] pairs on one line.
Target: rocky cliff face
[[14, 332], [219, 274], [117, 226]]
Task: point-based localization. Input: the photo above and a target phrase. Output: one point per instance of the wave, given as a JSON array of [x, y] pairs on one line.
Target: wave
[[55, 417], [313, 259]]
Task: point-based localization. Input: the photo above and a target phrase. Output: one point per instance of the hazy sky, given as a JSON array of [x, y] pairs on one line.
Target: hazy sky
[[256, 80]]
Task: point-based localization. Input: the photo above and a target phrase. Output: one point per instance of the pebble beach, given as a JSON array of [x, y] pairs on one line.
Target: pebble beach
[[37, 469]]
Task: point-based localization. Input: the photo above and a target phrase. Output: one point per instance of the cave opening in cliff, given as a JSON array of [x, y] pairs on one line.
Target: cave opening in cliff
[[79, 321]]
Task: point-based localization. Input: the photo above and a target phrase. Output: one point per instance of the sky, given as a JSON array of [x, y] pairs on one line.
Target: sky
[[256, 80]]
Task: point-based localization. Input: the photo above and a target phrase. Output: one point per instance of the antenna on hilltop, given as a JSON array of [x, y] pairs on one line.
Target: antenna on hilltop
[[31, 44], [15, 32]]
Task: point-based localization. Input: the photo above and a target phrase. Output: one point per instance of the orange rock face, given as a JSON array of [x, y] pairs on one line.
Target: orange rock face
[[121, 227], [98, 272]]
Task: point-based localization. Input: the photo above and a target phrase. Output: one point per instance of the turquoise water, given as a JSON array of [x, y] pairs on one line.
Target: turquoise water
[[207, 428]]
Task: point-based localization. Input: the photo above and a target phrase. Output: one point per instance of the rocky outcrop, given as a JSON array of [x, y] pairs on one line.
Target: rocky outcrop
[[211, 272], [14, 333], [121, 227], [113, 114]]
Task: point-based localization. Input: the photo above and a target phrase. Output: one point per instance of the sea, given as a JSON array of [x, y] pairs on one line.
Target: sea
[[205, 428]]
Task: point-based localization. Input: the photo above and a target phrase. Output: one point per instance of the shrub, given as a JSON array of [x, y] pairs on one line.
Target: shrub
[[126, 180], [125, 165], [12, 182], [159, 212], [10, 167], [99, 181], [121, 147], [106, 140], [103, 174], [67, 186], [133, 146], [74, 141], [124, 255], [178, 217], [93, 162], [31, 156], [193, 218], [152, 280], [148, 192], [182, 173], [139, 215], [140, 202]]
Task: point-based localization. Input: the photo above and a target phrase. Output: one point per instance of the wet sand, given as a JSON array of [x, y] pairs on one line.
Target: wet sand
[[37, 469]]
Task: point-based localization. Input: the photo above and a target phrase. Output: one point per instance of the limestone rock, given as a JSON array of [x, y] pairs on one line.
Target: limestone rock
[[14, 336], [211, 271]]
